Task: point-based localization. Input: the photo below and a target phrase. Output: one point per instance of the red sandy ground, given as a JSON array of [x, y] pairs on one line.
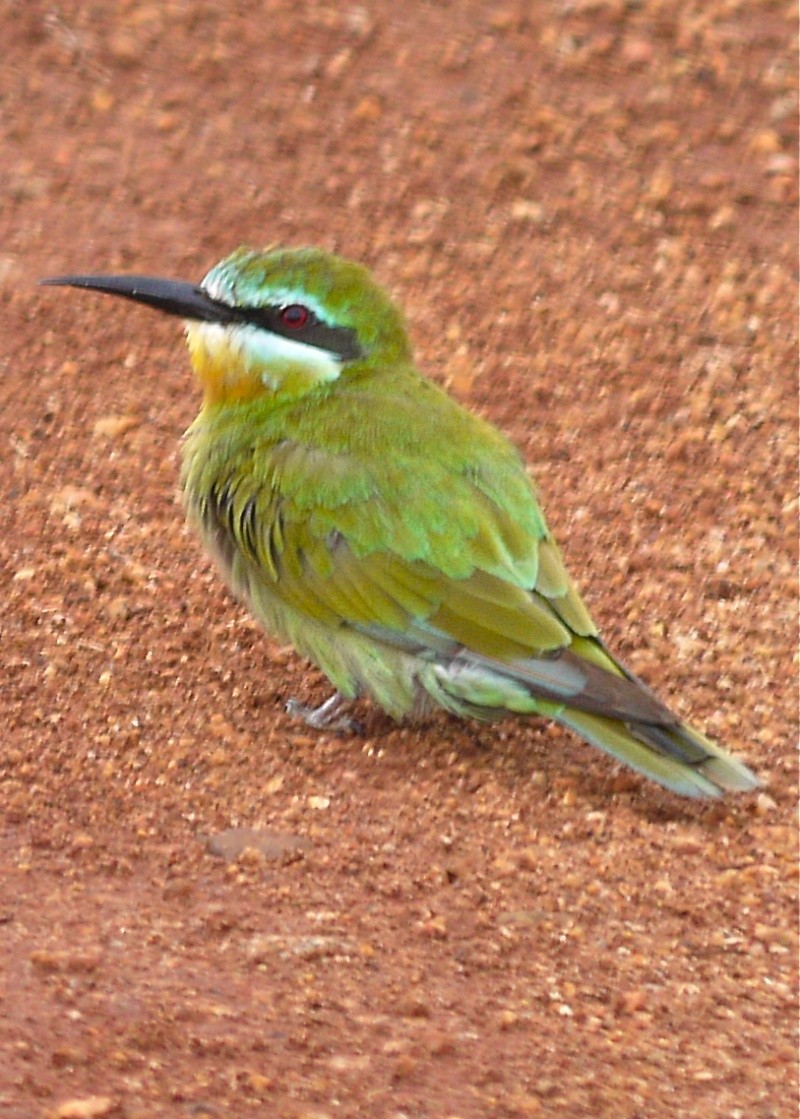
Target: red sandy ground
[[588, 211]]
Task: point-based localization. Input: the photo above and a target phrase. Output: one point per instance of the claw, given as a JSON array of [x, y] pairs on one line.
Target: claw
[[327, 716]]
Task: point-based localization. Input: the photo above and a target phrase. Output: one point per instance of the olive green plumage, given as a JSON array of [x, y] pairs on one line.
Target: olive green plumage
[[391, 535]]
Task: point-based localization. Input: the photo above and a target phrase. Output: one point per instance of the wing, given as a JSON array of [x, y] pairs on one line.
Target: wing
[[408, 519], [455, 543]]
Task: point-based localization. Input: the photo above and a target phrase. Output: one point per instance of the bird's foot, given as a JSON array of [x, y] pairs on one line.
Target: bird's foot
[[328, 716]]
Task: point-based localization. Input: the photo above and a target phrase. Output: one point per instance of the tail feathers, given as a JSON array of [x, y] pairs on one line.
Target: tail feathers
[[677, 757], [655, 743]]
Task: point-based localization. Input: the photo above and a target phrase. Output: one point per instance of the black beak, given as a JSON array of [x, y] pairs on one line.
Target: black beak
[[175, 297]]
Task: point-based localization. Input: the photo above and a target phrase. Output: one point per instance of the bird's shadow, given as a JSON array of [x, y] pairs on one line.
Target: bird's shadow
[[442, 741]]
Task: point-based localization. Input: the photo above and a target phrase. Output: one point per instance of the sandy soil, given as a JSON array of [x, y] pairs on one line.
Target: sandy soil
[[588, 211]]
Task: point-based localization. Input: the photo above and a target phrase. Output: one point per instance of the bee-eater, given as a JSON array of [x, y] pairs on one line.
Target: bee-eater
[[393, 537]]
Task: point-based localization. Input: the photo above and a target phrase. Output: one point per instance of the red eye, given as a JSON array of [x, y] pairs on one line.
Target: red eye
[[295, 316]]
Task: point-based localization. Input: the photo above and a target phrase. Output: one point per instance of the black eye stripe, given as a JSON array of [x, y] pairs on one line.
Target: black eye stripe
[[339, 340]]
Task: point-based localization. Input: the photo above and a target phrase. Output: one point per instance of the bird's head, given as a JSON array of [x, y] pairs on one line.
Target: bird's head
[[277, 323]]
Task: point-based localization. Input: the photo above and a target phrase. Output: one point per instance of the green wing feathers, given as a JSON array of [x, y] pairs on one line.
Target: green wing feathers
[[445, 559]]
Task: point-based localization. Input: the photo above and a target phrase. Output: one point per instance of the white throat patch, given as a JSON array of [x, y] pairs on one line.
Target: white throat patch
[[263, 355]]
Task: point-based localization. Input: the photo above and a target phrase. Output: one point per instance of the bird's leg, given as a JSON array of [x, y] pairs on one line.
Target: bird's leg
[[327, 716]]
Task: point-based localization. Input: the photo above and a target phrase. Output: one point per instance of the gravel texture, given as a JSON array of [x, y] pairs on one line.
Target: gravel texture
[[589, 213]]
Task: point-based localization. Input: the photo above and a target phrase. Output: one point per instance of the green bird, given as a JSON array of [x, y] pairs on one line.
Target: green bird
[[393, 537]]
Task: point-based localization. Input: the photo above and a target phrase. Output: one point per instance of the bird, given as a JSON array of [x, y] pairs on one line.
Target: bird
[[390, 534]]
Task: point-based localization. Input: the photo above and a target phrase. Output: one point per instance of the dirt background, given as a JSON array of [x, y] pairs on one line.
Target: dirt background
[[588, 211]]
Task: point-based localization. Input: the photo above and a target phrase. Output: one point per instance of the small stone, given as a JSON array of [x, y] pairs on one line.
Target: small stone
[[632, 1001], [65, 962], [461, 372], [251, 856], [230, 844], [723, 218], [525, 210], [766, 142], [637, 52], [349, 1063], [118, 610], [441, 1044], [661, 185], [781, 163], [404, 1067], [64, 1056], [523, 1103], [112, 427], [262, 948], [369, 108], [339, 63], [414, 1006], [125, 49], [528, 858], [258, 1083], [764, 804], [90, 1107], [783, 107], [72, 497], [8, 268], [434, 927], [102, 100], [774, 934], [168, 121]]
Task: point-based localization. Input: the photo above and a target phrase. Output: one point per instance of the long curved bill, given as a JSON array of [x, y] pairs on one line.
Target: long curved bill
[[174, 297]]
